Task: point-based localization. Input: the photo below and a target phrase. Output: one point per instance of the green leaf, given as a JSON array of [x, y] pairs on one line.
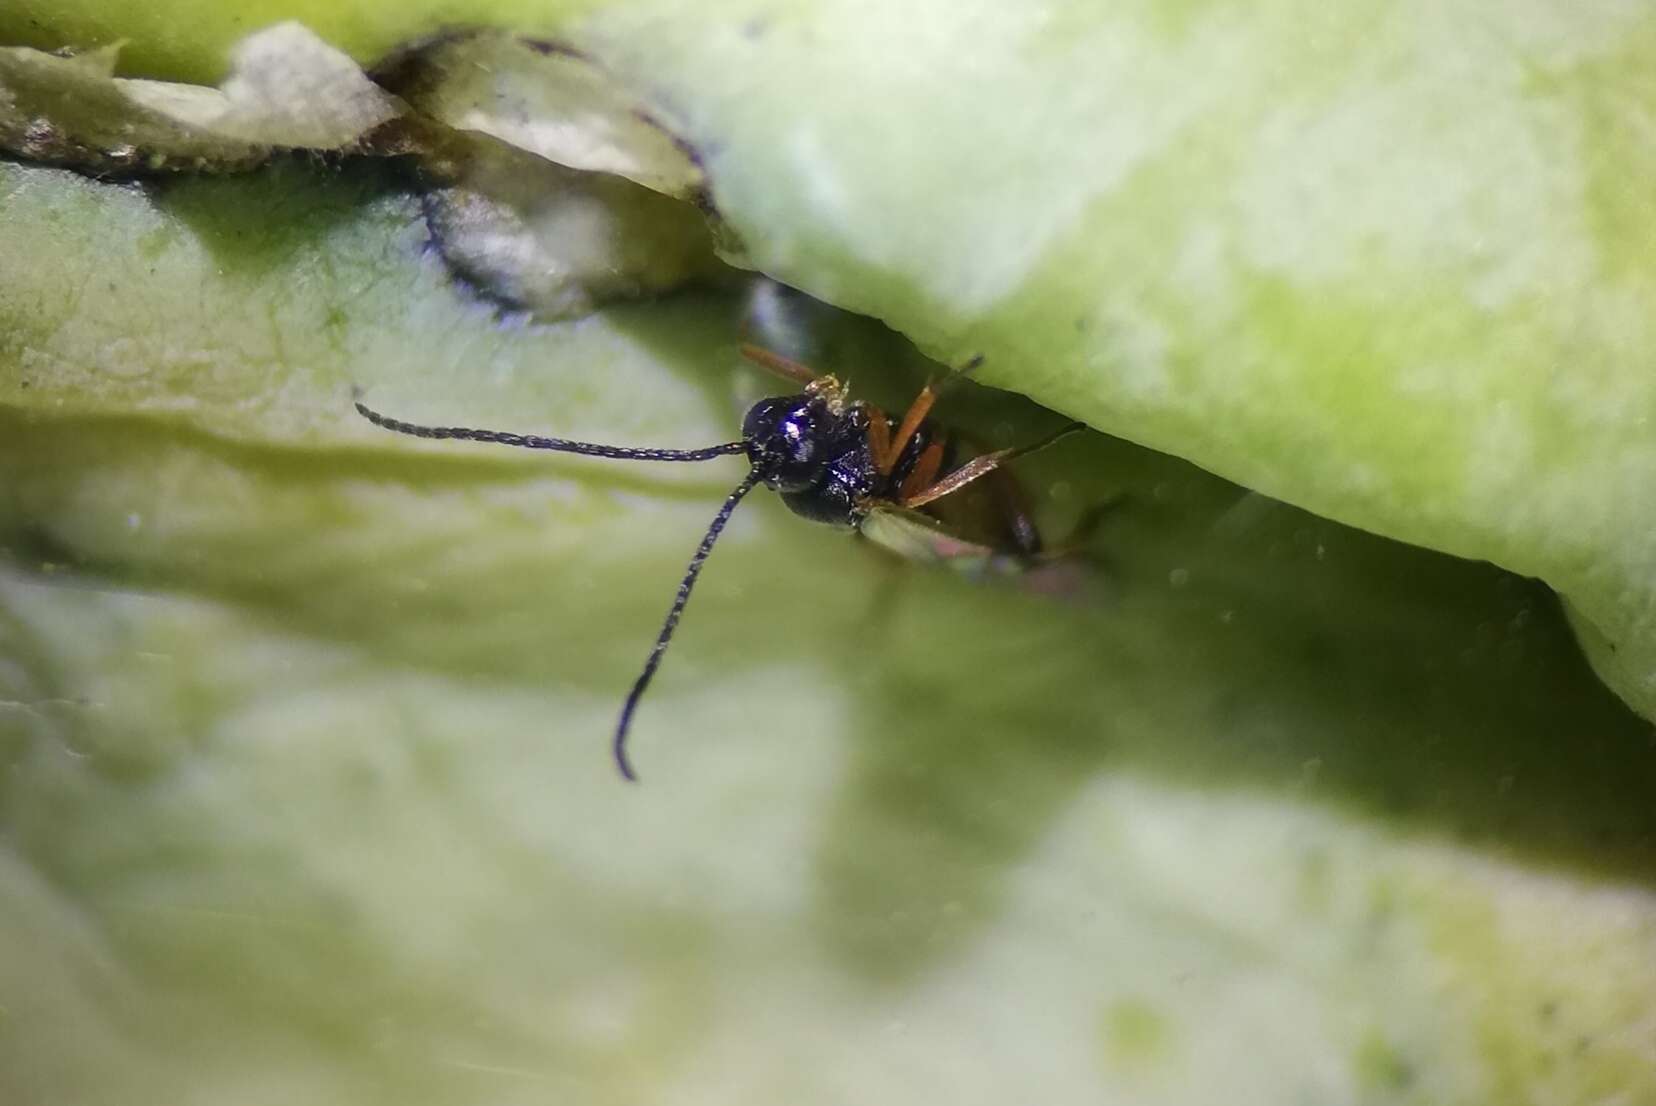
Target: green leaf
[[306, 794], [306, 727], [287, 89], [545, 98], [1393, 263]]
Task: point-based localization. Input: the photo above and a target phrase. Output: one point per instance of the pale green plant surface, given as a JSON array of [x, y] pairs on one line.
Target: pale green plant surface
[[307, 797], [1395, 263]]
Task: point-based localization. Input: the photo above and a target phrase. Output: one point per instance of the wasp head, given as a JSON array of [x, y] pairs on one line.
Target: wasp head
[[788, 439]]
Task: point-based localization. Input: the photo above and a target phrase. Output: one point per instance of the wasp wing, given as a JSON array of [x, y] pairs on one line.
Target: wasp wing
[[923, 539]]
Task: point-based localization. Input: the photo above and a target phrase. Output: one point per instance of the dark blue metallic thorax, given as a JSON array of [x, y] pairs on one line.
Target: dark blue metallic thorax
[[848, 475], [816, 455]]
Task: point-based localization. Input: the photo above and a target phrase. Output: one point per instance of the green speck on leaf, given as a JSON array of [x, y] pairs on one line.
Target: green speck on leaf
[[1136, 1034], [1380, 1067]]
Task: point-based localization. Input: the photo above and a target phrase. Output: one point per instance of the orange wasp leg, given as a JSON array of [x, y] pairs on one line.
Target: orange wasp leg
[[1013, 506], [912, 418], [982, 466], [887, 459], [781, 366], [925, 471], [879, 435]]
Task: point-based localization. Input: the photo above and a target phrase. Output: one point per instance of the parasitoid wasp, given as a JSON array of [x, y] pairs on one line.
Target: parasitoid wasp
[[832, 460]]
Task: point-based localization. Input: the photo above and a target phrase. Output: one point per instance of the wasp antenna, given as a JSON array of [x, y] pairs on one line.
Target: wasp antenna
[[532, 441], [667, 627]]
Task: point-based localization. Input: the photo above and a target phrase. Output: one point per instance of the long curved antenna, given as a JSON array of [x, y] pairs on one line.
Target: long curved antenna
[[562, 445], [671, 624]]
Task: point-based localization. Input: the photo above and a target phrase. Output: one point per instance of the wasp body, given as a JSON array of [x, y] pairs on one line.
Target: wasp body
[[831, 459]]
